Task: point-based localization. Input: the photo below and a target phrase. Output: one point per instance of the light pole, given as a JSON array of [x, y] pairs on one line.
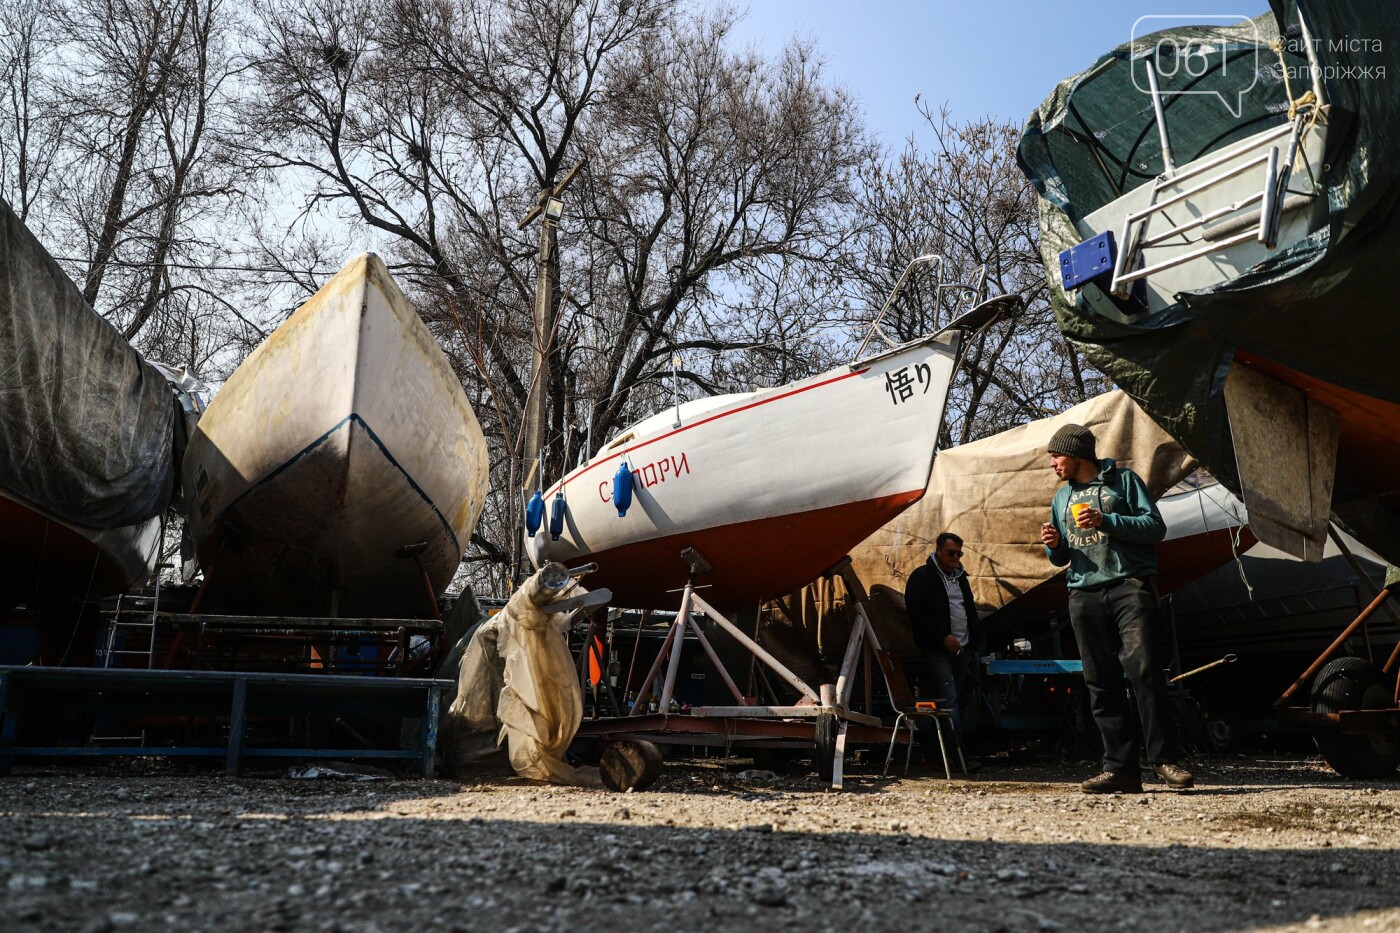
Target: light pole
[[550, 207]]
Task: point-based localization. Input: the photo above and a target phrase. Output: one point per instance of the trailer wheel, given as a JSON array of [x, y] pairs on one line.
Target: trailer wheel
[[630, 765], [1354, 683], [826, 746]]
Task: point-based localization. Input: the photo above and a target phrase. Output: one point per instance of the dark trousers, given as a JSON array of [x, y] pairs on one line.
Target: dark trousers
[[944, 675], [1119, 633]]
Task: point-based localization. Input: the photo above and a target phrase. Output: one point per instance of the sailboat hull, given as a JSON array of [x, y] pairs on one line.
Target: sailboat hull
[[47, 559], [771, 488], [343, 442]]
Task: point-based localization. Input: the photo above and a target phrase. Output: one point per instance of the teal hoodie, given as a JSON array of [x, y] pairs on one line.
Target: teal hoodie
[[1124, 545]]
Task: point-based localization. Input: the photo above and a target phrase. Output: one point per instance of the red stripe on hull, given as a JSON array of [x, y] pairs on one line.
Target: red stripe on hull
[[752, 561], [46, 560], [633, 447]]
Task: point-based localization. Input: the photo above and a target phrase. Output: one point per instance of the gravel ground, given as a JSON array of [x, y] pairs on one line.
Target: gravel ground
[[1258, 845]]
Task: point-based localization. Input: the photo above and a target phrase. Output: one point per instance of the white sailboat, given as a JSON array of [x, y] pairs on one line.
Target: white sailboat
[[768, 488]]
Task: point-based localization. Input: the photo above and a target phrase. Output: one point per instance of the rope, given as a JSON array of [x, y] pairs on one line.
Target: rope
[[1307, 99]]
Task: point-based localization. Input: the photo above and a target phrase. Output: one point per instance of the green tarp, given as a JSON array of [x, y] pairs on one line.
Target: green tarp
[[87, 427]]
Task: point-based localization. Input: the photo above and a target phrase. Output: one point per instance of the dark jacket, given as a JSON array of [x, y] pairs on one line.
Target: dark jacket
[[1126, 544], [926, 601]]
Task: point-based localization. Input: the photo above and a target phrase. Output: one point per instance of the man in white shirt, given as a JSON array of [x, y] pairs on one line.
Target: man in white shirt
[[943, 616]]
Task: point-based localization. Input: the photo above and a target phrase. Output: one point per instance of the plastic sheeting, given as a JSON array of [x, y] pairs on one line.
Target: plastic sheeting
[[518, 688], [87, 427]]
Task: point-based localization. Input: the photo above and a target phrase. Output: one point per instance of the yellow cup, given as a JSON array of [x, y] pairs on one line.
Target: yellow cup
[[1078, 509]]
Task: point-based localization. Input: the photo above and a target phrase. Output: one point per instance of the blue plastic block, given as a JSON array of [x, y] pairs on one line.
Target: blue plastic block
[[1086, 261]]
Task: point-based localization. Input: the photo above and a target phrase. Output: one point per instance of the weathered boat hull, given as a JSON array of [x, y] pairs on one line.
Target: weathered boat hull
[[48, 560], [342, 440], [771, 488]]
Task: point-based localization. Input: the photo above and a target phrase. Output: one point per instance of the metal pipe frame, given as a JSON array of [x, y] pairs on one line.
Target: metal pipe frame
[[756, 649], [1269, 208], [1202, 220], [655, 667], [1168, 167], [668, 689], [1187, 257], [875, 324], [1331, 649], [719, 667], [1206, 185], [1221, 158]]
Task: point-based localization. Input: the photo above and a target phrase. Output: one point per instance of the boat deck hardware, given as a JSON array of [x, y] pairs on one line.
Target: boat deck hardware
[[971, 293], [699, 566]]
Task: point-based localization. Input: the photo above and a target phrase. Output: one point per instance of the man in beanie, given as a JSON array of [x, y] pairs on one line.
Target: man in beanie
[[1105, 526]]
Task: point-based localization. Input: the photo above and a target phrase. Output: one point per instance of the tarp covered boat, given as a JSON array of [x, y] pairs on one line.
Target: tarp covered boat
[[88, 438], [1218, 227], [340, 466], [994, 493]]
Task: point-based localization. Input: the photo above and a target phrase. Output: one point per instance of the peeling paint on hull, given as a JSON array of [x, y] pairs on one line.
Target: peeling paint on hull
[[344, 437]]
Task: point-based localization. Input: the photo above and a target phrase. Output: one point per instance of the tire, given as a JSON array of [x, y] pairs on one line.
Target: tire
[[630, 765], [826, 746], [1221, 733], [1348, 684]]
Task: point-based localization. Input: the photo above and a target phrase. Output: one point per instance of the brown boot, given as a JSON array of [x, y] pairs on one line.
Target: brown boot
[[1113, 782], [1174, 775]]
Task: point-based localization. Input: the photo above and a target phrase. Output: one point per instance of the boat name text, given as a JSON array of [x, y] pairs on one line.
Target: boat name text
[[900, 384], [649, 474]]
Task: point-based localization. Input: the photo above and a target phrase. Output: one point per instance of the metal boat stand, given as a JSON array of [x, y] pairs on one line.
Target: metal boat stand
[[823, 714]]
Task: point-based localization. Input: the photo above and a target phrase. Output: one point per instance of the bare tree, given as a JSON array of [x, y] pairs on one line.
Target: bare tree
[[965, 201], [31, 128], [115, 151], [708, 173]]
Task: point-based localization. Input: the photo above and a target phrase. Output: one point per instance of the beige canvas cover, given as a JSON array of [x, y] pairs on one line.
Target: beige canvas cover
[[993, 493], [517, 687]]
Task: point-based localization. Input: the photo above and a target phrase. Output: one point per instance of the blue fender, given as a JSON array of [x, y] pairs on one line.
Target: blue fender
[[557, 509], [622, 489], [534, 513]]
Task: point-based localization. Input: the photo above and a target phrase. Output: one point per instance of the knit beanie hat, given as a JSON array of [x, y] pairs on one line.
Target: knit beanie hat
[[1073, 440]]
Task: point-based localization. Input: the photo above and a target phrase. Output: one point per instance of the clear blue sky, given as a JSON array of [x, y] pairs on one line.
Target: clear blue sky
[[980, 57]]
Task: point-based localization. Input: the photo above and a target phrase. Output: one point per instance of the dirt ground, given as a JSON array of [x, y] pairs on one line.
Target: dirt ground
[[1259, 845]]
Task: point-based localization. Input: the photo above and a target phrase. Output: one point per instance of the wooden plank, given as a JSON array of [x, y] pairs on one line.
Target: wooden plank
[[784, 712], [239, 623]]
